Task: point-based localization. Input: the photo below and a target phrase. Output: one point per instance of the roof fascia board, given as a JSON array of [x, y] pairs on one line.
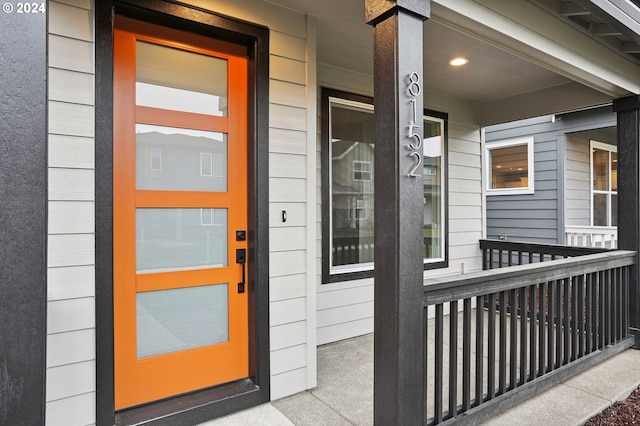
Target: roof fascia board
[[536, 35]]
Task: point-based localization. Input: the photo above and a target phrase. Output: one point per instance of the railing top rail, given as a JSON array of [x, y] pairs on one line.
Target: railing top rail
[[540, 248], [587, 228], [446, 289]]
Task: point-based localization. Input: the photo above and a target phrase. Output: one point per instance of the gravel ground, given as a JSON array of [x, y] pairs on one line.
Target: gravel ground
[[625, 412]]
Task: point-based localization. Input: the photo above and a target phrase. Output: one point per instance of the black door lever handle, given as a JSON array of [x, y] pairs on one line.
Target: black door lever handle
[[241, 258]]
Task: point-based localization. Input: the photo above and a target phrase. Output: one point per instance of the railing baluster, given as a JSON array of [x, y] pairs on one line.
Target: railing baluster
[[542, 327], [601, 311], [425, 349], [614, 305], [439, 364], [560, 284], [574, 330], [490, 259], [479, 350], [567, 314], [617, 319], [502, 362], [580, 317], [466, 355], [485, 259], [513, 339], [625, 296], [453, 358], [491, 348], [621, 300], [523, 335], [551, 295], [589, 313], [607, 307], [532, 332]]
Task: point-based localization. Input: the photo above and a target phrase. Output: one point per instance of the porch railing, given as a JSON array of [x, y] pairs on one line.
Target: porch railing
[[522, 329], [592, 236]]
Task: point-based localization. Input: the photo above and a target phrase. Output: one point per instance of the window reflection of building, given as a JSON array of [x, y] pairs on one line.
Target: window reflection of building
[[349, 144]]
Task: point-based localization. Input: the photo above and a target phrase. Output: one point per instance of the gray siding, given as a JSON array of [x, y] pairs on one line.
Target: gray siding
[[561, 169]]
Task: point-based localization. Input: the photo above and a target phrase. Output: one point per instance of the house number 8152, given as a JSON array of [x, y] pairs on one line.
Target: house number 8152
[[414, 90]]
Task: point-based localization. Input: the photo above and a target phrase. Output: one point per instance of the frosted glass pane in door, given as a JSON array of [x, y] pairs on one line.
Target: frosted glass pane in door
[[179, 319], [178, 80], [179, 239], [174, 159]]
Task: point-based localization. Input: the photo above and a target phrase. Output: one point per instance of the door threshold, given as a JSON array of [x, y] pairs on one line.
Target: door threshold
[[196, 407]]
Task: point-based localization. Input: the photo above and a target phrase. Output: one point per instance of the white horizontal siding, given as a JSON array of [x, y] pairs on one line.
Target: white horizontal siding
[[287, 287], [288, 335], [71, 250], [288, 359], [284, 384], [287, 141], [71, 382], [70, 347], [70, 54], [70, 282], [71, 217], [70, 314], [71, 152], [76, 410]]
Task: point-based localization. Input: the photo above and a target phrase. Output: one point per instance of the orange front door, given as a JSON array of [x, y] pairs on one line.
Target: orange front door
[[180, 212]]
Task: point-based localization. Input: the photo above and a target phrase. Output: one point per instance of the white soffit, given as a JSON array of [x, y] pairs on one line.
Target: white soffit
[[529, 31]]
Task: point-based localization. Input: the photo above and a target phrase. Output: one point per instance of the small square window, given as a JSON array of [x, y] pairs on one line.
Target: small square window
[[362, 171], [510, 167]]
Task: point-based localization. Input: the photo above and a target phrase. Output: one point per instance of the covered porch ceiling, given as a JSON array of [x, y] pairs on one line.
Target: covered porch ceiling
[[526, 57]]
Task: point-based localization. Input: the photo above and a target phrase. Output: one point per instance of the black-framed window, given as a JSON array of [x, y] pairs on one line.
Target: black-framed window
[[348, 187]]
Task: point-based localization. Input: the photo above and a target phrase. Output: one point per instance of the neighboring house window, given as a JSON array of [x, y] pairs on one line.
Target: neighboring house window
[[604, 187], [362, 170], [348, 187], [509, 167]]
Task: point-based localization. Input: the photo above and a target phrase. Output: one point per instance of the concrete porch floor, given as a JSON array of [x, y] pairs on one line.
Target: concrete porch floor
[[344, 395]]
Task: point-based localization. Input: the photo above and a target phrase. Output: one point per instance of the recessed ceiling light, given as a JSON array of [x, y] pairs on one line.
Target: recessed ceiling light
[[458, 61]]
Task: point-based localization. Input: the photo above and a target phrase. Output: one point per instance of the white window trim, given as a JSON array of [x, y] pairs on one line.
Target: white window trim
[[530, 189], [604, 147]]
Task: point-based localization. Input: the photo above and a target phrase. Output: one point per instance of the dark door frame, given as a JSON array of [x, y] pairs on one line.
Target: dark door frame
[[224, 399]]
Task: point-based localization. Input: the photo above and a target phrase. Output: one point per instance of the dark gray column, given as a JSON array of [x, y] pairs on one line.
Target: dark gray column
[[398, 80], [628, 112], [23, 201]]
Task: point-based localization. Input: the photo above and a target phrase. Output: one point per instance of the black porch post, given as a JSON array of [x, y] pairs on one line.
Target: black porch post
[[23, 207], [628, 112], [398, 324]]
